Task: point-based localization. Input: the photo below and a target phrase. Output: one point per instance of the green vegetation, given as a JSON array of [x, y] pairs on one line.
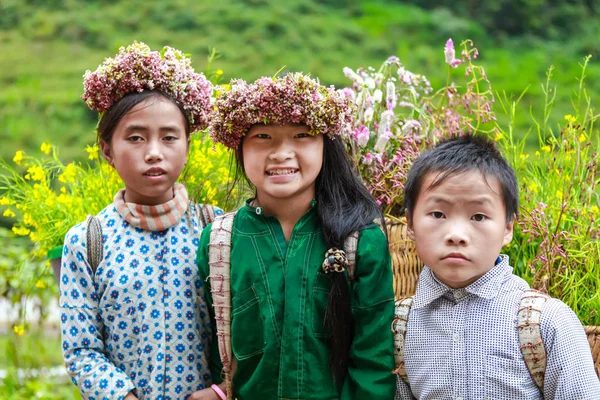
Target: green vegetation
[[47, 45]]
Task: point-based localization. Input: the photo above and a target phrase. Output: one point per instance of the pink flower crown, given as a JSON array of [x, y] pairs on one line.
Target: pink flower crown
[[294, 98], [137, 68]]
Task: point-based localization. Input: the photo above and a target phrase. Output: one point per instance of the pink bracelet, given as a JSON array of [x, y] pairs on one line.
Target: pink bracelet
[[218, 391]]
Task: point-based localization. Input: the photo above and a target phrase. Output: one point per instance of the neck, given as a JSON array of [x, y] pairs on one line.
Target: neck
[[287, 211]]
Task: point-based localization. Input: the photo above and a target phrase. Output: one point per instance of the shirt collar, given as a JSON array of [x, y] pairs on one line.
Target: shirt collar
[[487, 287]]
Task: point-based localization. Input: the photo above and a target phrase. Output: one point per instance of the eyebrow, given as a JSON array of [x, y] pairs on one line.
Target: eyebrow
[[138, 127], [484, 200]]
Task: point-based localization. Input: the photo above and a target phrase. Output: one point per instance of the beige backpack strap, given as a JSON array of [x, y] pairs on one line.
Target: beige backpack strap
[[399, 326], [94, 242], [219, 264], [350, 246], [530, 336], [208, 213]]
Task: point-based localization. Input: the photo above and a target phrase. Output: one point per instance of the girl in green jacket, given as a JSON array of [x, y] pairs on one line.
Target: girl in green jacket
[[305, 323]]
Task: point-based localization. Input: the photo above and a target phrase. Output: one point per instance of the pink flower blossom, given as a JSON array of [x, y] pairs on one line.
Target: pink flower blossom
[[361, 136], [450, 54]]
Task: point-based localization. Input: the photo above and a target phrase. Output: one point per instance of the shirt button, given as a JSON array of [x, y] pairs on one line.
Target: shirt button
[[456, 339]]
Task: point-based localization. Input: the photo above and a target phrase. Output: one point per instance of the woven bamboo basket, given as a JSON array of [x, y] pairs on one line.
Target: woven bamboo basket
[[406, 264], [593, 337], [407, 267]]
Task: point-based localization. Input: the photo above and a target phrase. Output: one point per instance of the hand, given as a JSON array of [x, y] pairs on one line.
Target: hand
[[130, 396], [204, 394]]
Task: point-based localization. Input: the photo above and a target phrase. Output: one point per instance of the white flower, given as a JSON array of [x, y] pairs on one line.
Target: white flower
[[377, 95], [410, 124], [353, 76], [368, 117], [382, 141]]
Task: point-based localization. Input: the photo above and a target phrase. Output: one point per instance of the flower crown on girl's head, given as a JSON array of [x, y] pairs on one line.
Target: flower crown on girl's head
[[294, 98], [137, 68]]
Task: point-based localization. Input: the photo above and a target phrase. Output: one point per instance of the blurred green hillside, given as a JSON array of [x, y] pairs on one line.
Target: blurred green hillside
[[46, 46]]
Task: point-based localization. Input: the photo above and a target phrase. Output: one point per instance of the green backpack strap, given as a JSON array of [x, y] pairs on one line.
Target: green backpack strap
[[530, 337], [399, 326], [219, 249]]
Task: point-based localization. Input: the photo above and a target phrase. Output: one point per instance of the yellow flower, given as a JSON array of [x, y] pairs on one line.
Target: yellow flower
[[46, 148], [19, 330], [21, 231], [92, 152], [35, 173], [524, 156], [8, 213], [5, 201], [595, 210], [498, 136], [68, 174], [537, 153], [570, 118], [219, 72], [533, 187], [18, 157], [559, 194], [40, 284], [582, 138], [546, 149]]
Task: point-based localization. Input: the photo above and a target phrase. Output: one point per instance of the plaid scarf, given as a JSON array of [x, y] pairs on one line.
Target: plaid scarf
[[153, 218]]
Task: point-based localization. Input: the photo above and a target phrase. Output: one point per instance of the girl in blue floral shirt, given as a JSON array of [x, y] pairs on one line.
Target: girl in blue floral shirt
[[137, 327]]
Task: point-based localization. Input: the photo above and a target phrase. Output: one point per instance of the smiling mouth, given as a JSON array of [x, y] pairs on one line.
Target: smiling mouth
[[286, 171], [155, 173]]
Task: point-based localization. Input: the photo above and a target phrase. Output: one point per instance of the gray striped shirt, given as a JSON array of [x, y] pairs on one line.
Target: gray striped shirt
[[463, 344]]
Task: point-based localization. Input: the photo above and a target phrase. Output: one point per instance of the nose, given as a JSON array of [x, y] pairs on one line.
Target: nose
[[457, 234], [281, 152], [153, 151]]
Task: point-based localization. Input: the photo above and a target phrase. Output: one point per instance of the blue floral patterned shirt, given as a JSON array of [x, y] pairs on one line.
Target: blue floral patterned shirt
[[464, 344], [141, 322]]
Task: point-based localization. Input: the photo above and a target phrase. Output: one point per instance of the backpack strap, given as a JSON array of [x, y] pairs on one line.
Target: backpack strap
[[350, 246], [94, 242], [208, 213], [399, 326], [530, 336], [219, 250]]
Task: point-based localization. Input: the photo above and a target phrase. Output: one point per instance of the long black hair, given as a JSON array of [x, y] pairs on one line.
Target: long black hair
[[344, 205]]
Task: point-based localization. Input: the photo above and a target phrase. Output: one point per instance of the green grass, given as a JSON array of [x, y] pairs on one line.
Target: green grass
[[35, 349]]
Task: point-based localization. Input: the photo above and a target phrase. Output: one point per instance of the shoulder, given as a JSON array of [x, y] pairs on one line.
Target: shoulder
[[371, 236], [75, 237], [558, 315]]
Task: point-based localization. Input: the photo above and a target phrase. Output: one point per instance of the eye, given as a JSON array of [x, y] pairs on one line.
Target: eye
[[303, 135], [135, 138], [170, 138], [262, 136], [437, 214], [479, 217]]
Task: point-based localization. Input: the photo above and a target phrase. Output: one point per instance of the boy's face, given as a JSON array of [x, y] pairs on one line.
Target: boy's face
[[459, 226]]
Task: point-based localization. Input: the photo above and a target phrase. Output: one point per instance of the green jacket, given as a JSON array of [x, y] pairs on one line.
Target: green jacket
[[279, 296]]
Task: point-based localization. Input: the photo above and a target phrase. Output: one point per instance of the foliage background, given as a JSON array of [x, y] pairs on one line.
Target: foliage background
[[46, 45]]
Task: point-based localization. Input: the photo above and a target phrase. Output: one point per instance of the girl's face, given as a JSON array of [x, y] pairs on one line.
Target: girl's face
[[149, 149], [282, 161]]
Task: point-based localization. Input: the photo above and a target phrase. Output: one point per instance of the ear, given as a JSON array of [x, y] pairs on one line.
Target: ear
[[508, 232], [409, 226], [187, 151], [107, 153]]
